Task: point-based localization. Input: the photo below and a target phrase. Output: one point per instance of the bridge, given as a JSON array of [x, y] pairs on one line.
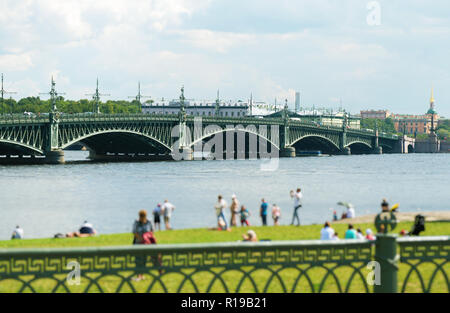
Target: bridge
[[43, 138]]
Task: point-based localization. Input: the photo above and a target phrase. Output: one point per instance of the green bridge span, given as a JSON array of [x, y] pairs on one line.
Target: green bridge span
[[112, 137]]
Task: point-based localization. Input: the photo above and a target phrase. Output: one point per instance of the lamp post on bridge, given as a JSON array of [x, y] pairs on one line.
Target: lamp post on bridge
[[343, 137], [3, 92], [53, 154], [183, 130], [138, 97], [286, 151], [96, 97]]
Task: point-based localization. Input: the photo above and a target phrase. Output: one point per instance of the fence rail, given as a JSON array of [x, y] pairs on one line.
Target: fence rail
[[297, 266]]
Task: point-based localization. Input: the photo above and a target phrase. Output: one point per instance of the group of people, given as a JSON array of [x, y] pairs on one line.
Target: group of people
[[328, 233], [241, 212], [163, 211], [237, 210]]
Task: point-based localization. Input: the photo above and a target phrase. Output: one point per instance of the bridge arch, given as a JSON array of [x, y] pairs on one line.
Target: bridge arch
[[241, 135], [120, 141], [316, 142], [359, 147], [10, 147]]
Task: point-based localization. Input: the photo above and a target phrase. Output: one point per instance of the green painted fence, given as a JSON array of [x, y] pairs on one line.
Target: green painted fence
[[293, 266]]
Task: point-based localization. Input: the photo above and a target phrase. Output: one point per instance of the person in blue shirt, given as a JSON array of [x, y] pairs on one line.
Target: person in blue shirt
[[351, 233], [263, 212]]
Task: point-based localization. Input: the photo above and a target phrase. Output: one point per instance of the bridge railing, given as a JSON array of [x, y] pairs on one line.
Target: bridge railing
[[23, 119], [296, 266]]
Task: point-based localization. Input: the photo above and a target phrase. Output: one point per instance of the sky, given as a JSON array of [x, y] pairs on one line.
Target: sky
[[367, 54]]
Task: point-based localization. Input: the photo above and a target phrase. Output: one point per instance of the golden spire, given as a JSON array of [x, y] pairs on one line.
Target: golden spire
[[432, 97]]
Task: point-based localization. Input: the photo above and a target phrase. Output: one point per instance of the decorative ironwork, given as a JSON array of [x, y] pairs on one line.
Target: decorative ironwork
[[304, 266], [425, 263]]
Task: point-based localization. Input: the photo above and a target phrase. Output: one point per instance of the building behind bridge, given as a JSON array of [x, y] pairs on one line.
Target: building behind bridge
[[198, 108]]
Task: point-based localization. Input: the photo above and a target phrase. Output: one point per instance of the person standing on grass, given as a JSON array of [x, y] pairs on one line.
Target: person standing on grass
[[297, 196], [234, 210], [157, 217], [263, 212], [245, 214], [220, 210], [276, 214], [143, 235], [167, 209]]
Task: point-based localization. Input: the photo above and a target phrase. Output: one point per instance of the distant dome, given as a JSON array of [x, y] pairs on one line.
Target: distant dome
[[431, 111]]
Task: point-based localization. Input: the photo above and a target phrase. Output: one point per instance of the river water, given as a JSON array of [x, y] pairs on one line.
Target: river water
[[47, 199]]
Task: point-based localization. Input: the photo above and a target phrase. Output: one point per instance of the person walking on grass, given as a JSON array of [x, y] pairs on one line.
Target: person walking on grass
[[276, 214], [220, 207], [297, 196], [234, 210], [263, 212], [167, 209]]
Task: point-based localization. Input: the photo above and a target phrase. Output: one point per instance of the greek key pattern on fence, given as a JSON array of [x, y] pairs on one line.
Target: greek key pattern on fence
[[239, 267]]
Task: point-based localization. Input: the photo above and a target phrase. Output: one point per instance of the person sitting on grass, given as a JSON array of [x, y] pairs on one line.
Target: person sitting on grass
[[250, 236], [350, 233], [327, 233], [335, 236], [17, 233], [86, 230], [369, 234], [359, 234]]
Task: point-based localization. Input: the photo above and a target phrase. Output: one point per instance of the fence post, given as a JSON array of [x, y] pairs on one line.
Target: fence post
[[386, 256]]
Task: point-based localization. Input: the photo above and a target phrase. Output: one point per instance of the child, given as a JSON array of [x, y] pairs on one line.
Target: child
[[276, 214], [244, 216]]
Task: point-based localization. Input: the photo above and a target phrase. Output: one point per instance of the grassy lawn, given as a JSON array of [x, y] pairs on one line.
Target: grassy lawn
[[231, 278], [206, 236]]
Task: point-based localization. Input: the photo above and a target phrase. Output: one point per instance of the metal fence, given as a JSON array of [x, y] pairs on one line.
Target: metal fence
[[295, 266]]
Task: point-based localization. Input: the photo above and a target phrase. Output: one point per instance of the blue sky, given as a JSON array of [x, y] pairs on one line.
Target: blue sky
[[325, 49]]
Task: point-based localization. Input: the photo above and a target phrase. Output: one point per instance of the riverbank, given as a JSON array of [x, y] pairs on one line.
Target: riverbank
[[434, 216], [307, 232]]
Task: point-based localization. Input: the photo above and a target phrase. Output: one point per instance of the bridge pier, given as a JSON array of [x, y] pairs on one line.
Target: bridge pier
[[346, 151], [54, 157], [288, 152], [377, 150]]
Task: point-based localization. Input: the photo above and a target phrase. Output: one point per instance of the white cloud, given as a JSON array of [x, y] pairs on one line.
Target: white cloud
[[16, 62]]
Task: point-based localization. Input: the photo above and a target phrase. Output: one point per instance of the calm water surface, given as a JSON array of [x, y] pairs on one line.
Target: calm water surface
[[48, 199]]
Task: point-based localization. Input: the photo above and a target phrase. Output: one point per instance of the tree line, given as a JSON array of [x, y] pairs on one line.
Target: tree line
[[37, 105]]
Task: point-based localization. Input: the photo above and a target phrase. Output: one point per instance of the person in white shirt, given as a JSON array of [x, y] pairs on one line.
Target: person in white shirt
[[17, 233], [220, 207], [350, 212], [327, 233], [297, 196], [167, 209]]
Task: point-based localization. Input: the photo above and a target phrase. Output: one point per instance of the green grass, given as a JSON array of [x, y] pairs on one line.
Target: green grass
[[172, 281], [209, 236]]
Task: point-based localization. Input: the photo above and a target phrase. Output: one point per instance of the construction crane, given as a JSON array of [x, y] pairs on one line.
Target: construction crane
[[138, 97], [4, 92], [96, 97]]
